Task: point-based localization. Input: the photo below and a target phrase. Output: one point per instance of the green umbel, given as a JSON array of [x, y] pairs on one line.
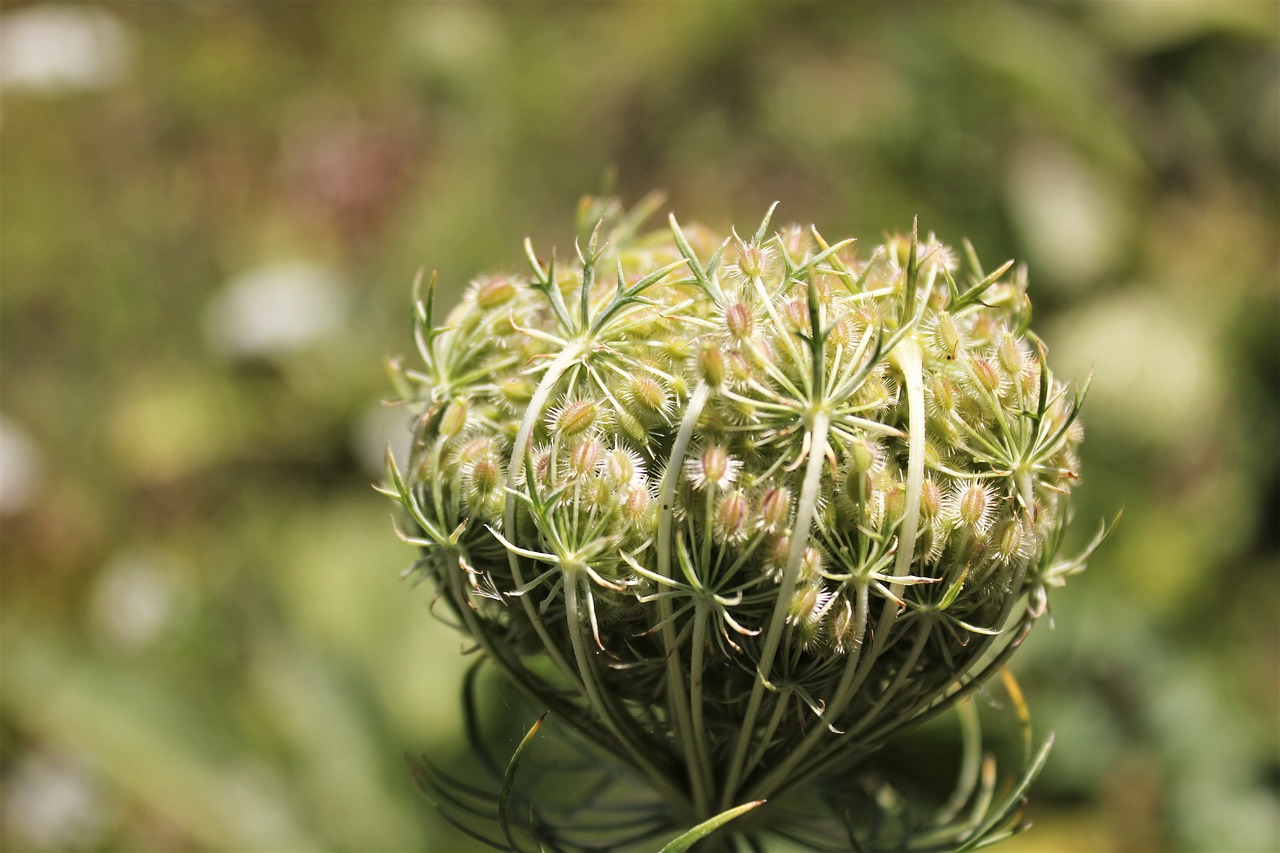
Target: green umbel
[[740, 509]]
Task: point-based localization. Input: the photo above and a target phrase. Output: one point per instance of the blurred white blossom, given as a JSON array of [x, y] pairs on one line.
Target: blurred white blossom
[[52, 804], [19, 468], [274, 309], [136, 597], [50, 50], [379, 427], [1066, 213]]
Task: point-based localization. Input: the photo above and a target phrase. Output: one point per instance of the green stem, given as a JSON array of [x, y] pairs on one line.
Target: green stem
[[906, 355], [677, 684], [603, 709], [515, 471], [777, 624], [696, 664], [845, 691]]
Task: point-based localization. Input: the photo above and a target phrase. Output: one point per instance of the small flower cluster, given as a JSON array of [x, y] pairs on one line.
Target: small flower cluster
[[740, 508]]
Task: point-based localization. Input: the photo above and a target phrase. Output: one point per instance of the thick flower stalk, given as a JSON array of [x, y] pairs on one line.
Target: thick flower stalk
[[739, 510]]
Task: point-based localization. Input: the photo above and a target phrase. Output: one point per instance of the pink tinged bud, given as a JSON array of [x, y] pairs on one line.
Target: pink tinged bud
[[796, 241], [739, 366], [796, 314], [715, 468], [473, 449], [775, 508], [987, 375], [777, 555], [752, 260], [843, 331], [542, 467], [637, 503], [740, 322], [584, 457], [731, 517]]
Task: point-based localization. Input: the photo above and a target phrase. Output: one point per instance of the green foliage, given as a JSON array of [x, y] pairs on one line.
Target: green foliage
[[203, 642]]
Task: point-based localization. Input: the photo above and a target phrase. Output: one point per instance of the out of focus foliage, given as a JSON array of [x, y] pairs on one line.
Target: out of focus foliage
[[211, 215]]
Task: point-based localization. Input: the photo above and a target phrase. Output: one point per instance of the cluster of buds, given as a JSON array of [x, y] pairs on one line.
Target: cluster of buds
[[739, 509]]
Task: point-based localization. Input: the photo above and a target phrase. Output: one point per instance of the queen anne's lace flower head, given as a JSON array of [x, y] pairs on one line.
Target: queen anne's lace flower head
[[741, 508]]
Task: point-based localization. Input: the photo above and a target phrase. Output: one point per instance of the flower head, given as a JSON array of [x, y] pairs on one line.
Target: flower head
[[741, 508]]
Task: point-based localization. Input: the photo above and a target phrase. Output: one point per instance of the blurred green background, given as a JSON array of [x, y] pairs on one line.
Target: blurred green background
[[211, 215]]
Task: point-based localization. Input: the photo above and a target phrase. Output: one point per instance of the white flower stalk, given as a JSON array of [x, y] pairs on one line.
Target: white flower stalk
[[740, 510]]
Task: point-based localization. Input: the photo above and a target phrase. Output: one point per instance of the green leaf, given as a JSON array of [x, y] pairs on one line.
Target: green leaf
[[509, 778], [702, 830]]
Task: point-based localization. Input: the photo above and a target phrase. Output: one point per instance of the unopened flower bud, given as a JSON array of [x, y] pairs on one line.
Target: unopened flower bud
[[454, 418], [492, 292], [930, 499], [775, 508], [740, 322], [575, 417], [622, 467], [973, 506], [711, 365], [516, 390], [948, 336], [1011, 541], [485, 477], [584, 457], [987, 375], [731, 516]]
